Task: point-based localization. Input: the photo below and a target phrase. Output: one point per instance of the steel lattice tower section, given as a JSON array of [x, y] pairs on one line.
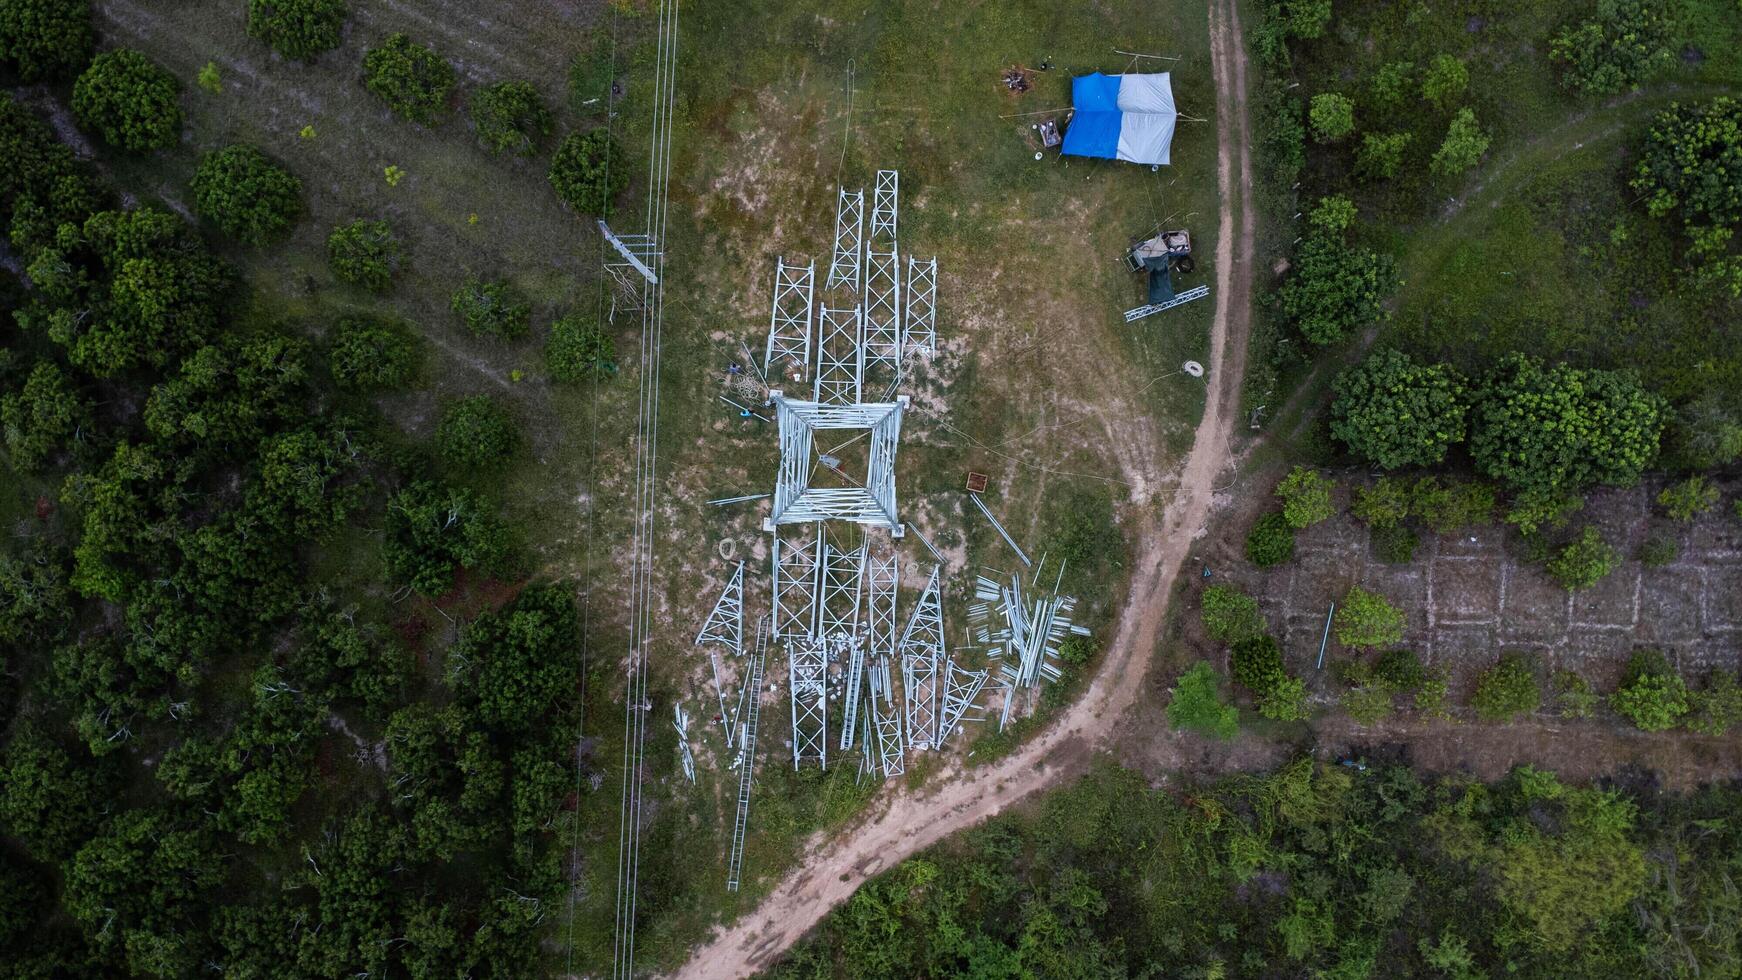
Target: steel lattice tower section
[[919, 332], [795, 584], [922, 647], [849, 240], [789, 325], [878, 584], [795, 500], [839, 579], [961, 688], [840, 355], [747, 754], [725, 625], [808, 674], [885, 204], [882, 317]]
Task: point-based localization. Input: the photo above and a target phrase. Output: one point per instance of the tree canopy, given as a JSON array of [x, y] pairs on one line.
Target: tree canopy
[[588, 172], [1394, 412], [247, 195], [129, 100], [1556, 428], [364, 253], [297, 28], [44, 40], [412, 79], [510, 117]]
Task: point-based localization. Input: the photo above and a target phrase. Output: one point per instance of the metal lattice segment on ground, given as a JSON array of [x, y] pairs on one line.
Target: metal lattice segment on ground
[[789, 325], [747, 754], [852, 691], [839, 579], [725, 625], [840, 356], [844, 268], [681, 721], [961, 689], [885, 205], [871, 504], [878, 585], [886, 720], [882, 308], [807, 674], [921, 650], [1150, 309], [919, 330], [795, 583]]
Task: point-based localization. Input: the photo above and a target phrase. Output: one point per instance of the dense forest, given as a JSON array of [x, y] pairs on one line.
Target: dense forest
[[1313, 870]]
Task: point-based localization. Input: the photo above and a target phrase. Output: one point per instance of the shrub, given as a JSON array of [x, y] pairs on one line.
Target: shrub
[[1444, 81], [1365, 619], [1334, 288], [1562, 428], [1688, 499], [1383, 505], [1197, 704], [588, 172], [1508, 689], [1306, 497], [1077, 651], [1446, 508], [578, 350], [297, 29], [490, 308], [369, 354], [209, 78], [1393, 412], [1381, 155], [1332, 117], [476, 432], [1431, 699], [364, 253], [1287, 701], [1367, 705], [246, 195], [1333, 215], [1533, 510], [1584, 562], [1626, 43], [1400, 670], [1658, 550], [1271, 541], [1707, 433], [1394, 545], [1256, 664], [43, 417], [1464, 145], [1652, 695], [43, 40], [1230, 615], [1573, 694], [430, 529], [1691, 164], [412, 79], [129, 101], [1393, 82], [510, 116], [1717, 707]]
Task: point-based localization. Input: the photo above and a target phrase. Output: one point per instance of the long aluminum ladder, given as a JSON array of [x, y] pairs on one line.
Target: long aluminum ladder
[[747, 755]]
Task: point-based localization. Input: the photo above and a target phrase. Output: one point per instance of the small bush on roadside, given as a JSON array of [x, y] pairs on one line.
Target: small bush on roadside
[[297, 29], [588, 172], [368, 355], [1367, 705], [1573, 694], [245, 194], [1365, 619], [1535, 509], [1197, 704], [1584, 562], [1652, 695], [1463, 147], [1306, 497], [1658, 550], [1717, 707], [1332, 117], [476, 432], [578, 350], [1271, 541], [510, 116], [491, 309], [364, 253], [412, 79], [1230, 615], [1508, 689], [130, 101], [1688, 499]]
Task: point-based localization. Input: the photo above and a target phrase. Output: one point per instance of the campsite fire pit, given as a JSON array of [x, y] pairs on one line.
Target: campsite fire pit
[[1017, 79]]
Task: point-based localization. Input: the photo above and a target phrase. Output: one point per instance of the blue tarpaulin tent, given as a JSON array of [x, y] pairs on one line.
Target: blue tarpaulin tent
[[1122, 117]]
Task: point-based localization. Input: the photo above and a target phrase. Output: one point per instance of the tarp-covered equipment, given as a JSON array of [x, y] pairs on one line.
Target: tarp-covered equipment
[[1122, 117]]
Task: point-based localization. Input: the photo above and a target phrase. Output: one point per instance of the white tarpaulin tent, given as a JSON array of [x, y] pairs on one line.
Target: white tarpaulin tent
[[1122, 117]]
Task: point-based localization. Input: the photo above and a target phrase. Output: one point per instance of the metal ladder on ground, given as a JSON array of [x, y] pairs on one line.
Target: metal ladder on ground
[[747, 754]]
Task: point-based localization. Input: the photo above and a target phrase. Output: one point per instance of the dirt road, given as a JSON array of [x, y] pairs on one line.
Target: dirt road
[[914, 821]]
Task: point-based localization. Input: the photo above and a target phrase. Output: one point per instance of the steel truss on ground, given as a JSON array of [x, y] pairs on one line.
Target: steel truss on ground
[[795, 584], [886, 720], [922, 648], [725, 625], [795, 500], [882, 329], [789, 325], [878, 585], [961, 688], [807, 674], [919, 331], [840, 356], [885, 204], [752, 696], [838, 586], [849, 239]]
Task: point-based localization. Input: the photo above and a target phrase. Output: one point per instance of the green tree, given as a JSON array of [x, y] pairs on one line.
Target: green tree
[[1286, 701], [510, 116], [1626, 43], [35, 603], [1717, 707], [1384, 505], [579, 350], [1365, 619], [1688, 499], [297, 29], [511, 661], [136, 889], [364, 253], [588, 172], [1381, 155], [1332, 117], [1256, 664], [369, 355], [1652, 695], [491, 308], [1463, 147], [1197, 704], [48, 800], [1306, 497], [1584, 562], [431, 529], [249, 197], [225, 396], [1393, 83], [1562, 428], [1535, 509], [1333, 215], [412, 79], [1230, 615], [129, 101], [476, 432], [1271, 541], [306, 486], [43, 40], [46, 416], [1334, 288], [1508, 689], [1394, 412], [1445, 80], [342, 658], [1690, 165]]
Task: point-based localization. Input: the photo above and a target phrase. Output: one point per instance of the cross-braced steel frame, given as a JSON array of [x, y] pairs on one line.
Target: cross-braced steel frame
[[922, 649], [839, 577], [725, 625], [885, 204], [795, 583], [789, 325], [886, 720], [840, 355], [807, 675], [849, 239], [919, 330], [872, 504], [882, 329], [961, 689], [878, 585]]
